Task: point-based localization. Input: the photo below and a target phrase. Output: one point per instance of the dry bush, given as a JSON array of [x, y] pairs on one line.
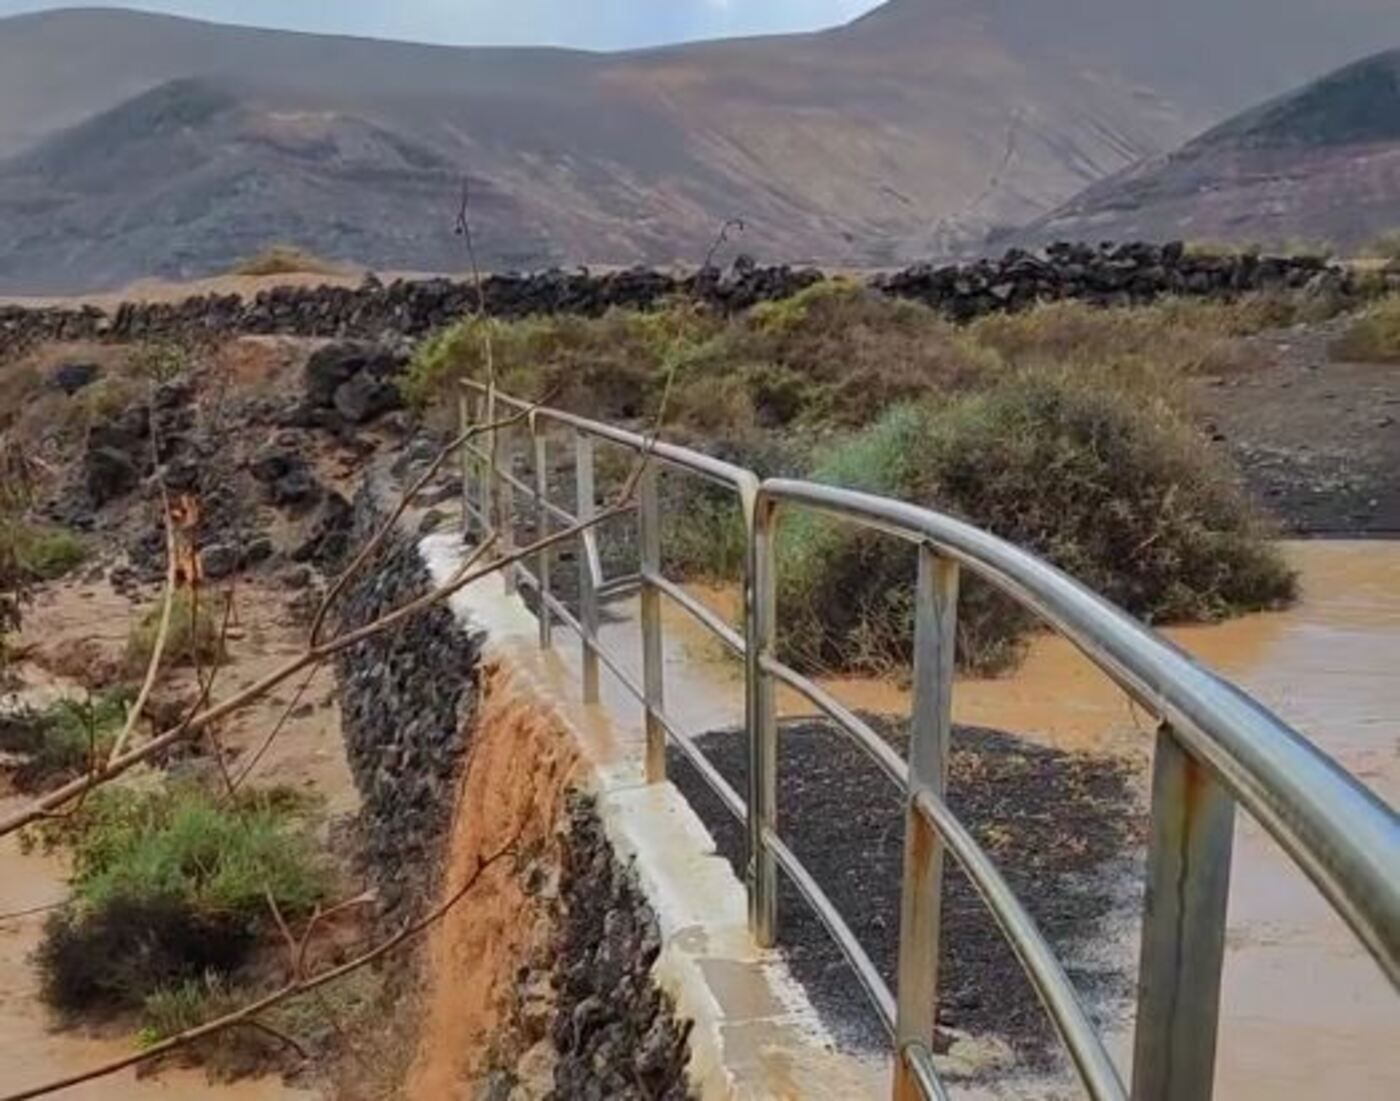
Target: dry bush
[[285, 260], [1111, 486], [1374, 337], [1172, 339], [1385, 246], [834, 354], [194, 638]]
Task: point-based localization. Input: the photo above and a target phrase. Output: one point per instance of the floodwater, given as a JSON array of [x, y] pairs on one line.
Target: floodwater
[[32, 1051], [93, 621], [1305, 1012]]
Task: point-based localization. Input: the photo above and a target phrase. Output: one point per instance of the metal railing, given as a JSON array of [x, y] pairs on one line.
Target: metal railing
[[1216, 748]]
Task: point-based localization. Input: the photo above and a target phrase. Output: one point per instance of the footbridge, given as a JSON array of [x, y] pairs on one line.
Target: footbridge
[[1217, 750]]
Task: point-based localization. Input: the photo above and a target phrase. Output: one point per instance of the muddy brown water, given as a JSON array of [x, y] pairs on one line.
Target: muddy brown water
[[1305, 1011]]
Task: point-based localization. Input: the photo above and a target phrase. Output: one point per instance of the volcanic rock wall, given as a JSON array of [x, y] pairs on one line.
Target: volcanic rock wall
[[1105, 275], [407, 696], [586, 1020]]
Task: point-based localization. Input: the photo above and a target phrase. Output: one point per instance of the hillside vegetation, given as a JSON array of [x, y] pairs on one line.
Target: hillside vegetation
[[1066, 429]]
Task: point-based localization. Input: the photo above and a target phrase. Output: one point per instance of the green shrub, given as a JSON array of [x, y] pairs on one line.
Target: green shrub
[[44, 553], [1109, 485], [220, 858], [194, 636], [171, 884], [1374, 336], [63, 741]]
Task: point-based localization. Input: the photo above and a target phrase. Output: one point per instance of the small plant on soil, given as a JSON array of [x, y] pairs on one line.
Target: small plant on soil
[[44, 553], [159, 362], [63, 741], [170, 885], [1112, 487], [1374, 337], [194, 638]]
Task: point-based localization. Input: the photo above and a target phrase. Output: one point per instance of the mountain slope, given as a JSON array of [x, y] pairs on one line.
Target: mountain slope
[[916, 127], [851, 145], [1321, 163]]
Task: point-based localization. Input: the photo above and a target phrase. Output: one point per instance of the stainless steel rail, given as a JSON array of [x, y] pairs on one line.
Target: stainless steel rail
[[1216, 748]]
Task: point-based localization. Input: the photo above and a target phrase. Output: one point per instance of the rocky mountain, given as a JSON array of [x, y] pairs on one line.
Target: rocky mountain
[[141, 145], [1319, 164]]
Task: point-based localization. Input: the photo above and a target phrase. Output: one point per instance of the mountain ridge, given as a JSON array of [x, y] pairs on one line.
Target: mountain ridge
[[908, 132], [1320, 163]]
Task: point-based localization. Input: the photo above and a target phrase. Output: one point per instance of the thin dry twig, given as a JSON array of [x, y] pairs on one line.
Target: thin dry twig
[[295, 987], [162, 634], [282, 720], [460, 579]]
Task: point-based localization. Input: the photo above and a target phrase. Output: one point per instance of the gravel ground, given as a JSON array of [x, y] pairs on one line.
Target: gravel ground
[[1064, 829]]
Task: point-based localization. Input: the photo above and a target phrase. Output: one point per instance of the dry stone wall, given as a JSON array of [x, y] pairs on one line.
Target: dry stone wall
[[1107, 275]]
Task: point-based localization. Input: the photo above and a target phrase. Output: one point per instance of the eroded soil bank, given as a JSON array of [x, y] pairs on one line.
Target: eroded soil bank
[[539, 985]]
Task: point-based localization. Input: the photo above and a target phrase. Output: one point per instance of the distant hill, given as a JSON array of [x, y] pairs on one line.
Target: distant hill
[[1320, 164], [139, 145]]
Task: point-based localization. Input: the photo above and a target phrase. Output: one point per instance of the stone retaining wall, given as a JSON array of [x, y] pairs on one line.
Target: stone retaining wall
[[615, 1035], [406, 700], [1106, 275]]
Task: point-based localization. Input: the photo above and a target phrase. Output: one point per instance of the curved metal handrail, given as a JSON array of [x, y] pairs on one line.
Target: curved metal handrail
[[1343, 837]]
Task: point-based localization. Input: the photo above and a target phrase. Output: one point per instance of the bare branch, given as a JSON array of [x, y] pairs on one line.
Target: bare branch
[[162, 634], [721, 239]]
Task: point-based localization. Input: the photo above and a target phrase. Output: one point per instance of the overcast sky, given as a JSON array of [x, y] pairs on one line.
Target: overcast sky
[[591, 24]]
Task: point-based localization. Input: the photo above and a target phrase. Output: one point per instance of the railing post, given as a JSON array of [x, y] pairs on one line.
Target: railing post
[[489, 518], [464, 460], [587, 590], [653, 670], [506, 515], [1183, 931], [935, 634], [544, 527], [760, 628]]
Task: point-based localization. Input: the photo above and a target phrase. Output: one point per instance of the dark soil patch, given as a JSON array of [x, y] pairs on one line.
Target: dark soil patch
[[1060, 826], [112, 958], [1318, 441]]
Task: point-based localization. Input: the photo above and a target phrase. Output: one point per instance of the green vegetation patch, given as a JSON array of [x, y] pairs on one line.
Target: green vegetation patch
[[836, 353], [1110, 486], [63, 741], [170, 885], [43, 553], [1063, 428]]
